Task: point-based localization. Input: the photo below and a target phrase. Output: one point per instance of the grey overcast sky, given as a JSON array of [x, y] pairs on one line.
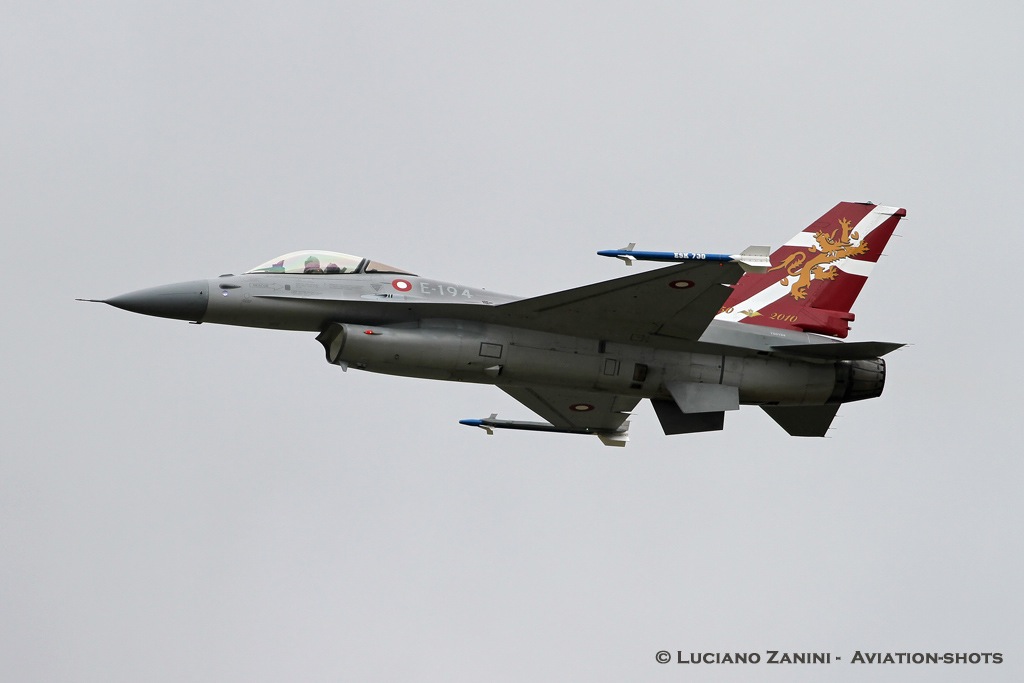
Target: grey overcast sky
[[204, 503]]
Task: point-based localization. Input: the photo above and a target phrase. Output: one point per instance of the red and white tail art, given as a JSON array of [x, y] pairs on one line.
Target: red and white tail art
[[815, 277]]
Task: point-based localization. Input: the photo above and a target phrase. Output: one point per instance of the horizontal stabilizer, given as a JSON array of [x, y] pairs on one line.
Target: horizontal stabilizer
[[839, 350], [675, 421], [803, 420]]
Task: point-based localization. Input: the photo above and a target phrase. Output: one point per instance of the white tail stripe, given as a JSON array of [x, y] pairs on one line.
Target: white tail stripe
[[804, 240], [773, 293], [855, 267], [877, 216], [766, 296]]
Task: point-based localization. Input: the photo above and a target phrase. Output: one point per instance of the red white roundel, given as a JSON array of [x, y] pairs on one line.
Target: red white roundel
[[681, 284], [401, 285]]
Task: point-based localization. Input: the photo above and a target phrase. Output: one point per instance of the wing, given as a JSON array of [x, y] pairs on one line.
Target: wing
[[568, 411], [576, 410], [660, 307]]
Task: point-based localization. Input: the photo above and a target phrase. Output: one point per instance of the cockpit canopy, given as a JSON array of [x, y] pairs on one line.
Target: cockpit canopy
[[315, 262]]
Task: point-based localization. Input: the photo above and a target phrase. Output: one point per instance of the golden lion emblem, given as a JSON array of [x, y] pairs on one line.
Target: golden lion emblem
[[819, 266]]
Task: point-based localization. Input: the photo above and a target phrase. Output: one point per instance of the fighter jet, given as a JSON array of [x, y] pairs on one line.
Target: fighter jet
[[697, 338]]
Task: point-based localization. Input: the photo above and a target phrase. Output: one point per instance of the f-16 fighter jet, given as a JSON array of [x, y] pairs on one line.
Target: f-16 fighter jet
[[698, 338]]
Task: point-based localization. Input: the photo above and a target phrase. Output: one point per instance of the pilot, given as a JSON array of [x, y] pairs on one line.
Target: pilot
[[312, 265], [332, 268]]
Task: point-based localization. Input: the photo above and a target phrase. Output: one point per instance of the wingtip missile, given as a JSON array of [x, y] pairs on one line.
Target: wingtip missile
[[625, 254], [752, 259], [491, 423], [483, 424], [617, 437]]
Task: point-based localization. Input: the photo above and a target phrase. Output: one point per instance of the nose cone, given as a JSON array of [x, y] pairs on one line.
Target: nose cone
[[182, 301]]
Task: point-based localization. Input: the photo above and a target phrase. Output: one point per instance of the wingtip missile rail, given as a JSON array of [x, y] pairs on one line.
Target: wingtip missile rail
[[751, 259]]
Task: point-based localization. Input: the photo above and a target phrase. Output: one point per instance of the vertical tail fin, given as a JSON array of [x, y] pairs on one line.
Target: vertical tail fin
[[815, 277]]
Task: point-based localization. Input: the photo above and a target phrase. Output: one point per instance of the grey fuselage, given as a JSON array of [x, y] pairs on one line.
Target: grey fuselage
[[399, 324]]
